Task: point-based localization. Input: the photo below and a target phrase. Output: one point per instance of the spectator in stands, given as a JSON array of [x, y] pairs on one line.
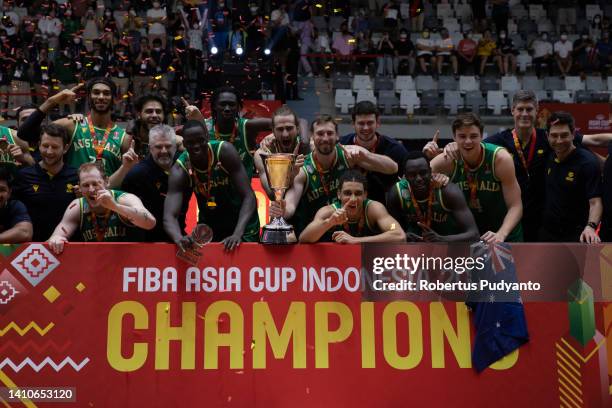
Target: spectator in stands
[[391, 13], [425, 52], [385, 61], [563, 54], [102, 214], [363, 51], [279, 26], [157, 19], [352, 217], [15, 223], [360, 23], [507, 53], [404, 62], [566, 13], [92, 28], [486, 49], [221, 22], [479, 14], [595, 28], [466, 54], [417, 15], [585, 55], [573, 204], [71, 27], [51, 27], [142, 70], [343, 45], [20, 82], [500, 13], [48, 187], [305, 36], [366, 122], [160, 60], [445, 49], [604, 52], [237, 39], [542, 50], [10, 21]]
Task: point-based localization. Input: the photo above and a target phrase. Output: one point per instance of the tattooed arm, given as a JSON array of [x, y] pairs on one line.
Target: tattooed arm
[[131, 208]]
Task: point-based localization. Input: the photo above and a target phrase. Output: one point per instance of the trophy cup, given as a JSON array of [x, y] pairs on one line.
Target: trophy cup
[[201, 235], [279, 168]]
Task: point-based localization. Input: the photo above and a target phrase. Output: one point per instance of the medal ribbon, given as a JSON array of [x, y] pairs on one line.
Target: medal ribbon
[[322, 176], [519, 149], [232, 137], [204, 189], [98, 145], [415, 204], [100, 228], [471, 180]]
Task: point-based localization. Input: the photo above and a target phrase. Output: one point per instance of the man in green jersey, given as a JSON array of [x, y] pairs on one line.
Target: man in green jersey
[[226, 201], [353, 218], [485, 174], [428, 212], [101, 215], [96, 138], [226, 124], [316, 184]]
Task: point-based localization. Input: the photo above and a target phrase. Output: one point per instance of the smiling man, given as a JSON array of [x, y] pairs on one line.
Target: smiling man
[[50, 185], [151, 110], [366, 122], [285, 138], [485, 174], [353, 218], [101, 215], [573, 204], [427, 212]]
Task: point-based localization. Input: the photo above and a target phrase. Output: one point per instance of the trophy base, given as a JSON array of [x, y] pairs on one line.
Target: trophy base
[[278, 235]]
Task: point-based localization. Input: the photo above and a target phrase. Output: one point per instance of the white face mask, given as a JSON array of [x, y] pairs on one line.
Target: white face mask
[[564, 37], [502, 36], [254, 9]]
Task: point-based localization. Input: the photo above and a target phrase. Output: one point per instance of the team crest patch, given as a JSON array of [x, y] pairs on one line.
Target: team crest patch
[[570, 176], [69, 188], [35, 187]]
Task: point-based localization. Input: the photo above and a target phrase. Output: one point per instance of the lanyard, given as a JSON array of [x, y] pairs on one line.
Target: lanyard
[[415, 204], [204, 189], [98, 145], [322, 176], [100, 228], [519, 149], [232, 137]]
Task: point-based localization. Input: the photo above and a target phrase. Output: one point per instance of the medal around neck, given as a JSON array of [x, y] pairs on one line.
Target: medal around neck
[[278, 168], [201, 235]]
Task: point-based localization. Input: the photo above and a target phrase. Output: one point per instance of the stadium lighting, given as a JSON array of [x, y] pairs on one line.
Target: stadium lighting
[[239, 51], [267, 51], [214, 50]]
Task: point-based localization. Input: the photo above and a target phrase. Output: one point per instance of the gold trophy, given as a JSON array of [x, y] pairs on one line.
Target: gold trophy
[[279, 169], [201, 235]]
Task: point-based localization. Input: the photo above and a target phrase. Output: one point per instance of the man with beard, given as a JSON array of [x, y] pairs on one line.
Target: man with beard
[[49, 186], [366, 121], [149, 180], [101, 215], [530, 151], [353, 218], [316, 184], [227, 125], [226, 202], [427, 212], [573, 207], [96, 138], [285, 138], [15, 224], [485, 174]]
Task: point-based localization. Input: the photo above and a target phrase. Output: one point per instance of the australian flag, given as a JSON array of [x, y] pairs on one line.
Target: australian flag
[[499, 316]]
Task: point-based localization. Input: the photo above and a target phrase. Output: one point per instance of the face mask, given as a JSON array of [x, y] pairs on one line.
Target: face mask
[[254, 10], [68, 13], [564, 37], [502, 36], [425, 35], [584, 37], [221, 5], [76, 40], [403, 37], [545, 37], [588, 49], [157, 48], [597, 20]]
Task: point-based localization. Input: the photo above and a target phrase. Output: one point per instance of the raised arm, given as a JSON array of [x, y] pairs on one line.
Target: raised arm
[[253, 127], [325, 219], [129, 158], [130, 207], [362, 157]]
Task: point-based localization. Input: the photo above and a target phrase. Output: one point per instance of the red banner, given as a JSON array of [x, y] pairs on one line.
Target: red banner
[[129, 325], [590, 117]]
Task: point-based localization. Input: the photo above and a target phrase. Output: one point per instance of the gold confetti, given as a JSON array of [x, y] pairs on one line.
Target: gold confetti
[[392, 228]]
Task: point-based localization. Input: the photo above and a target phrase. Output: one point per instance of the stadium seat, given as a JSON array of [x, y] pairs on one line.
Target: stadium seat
[[542, 95], [474, 101], [404, 83], [468, 84], [574, 83], [365, 95], [509, 97], [387, 101], [410, 101], [496, 101], [489, 84], [447, 83], [601, 97], [344, 100], [430, 102], [519, 11], [453, 101], [444, 10], [425, 83], [405, 10], [362, 82], [595, 83], [545, 26], [383, 84], [583, 96], [527, 26], [524, 60], [562, 96], [510, 84], [463, 12], [532, 83], [553, 83], [340, 81], [536, 12]]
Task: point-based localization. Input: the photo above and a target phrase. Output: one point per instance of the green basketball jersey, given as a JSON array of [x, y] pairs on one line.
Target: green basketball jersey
[[82, 148], [442, 220], [7, 159], [220, 208], [115, 229], [352, 227], [320, 190], [489, 208], [240, 142]]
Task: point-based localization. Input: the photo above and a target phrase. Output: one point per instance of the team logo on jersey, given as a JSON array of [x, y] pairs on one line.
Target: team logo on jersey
[[158, 185], [35, 187], [570, 176], [69, 188], [540, 151]]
